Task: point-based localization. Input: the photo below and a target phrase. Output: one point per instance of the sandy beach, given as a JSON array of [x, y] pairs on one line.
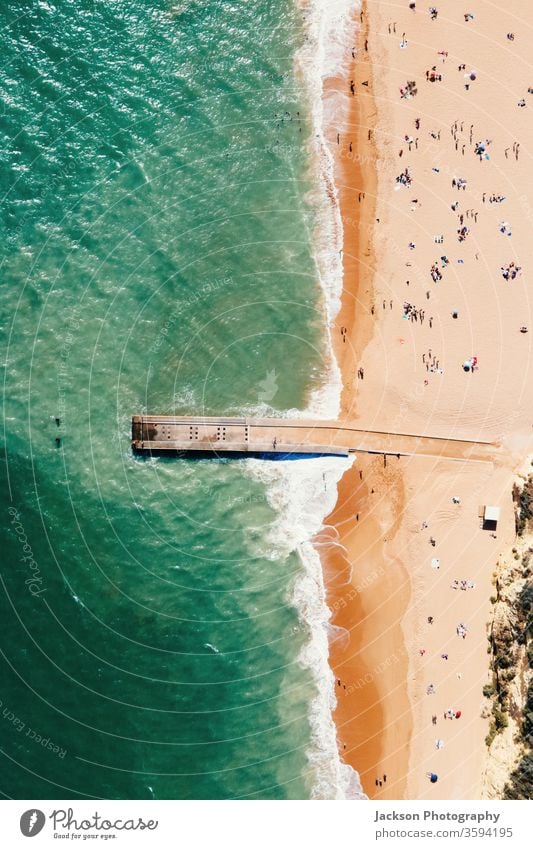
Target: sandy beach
[[432, 147]]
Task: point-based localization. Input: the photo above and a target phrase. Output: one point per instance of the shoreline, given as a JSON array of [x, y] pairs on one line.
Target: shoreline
[[369, 671]]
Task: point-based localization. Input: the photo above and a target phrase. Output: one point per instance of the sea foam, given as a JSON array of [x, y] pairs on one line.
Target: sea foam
[[303, 493], [327, 53], [329, 26]]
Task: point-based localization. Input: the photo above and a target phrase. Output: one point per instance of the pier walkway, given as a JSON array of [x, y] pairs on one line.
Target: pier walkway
[[222, 435]]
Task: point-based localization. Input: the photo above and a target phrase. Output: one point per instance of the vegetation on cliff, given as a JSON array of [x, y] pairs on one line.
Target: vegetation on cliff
[[511, 647]]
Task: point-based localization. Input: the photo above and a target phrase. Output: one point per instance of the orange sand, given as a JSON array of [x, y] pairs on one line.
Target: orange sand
[[384, 587]]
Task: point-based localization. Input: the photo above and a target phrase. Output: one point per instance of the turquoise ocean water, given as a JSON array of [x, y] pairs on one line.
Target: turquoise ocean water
[[156, 255]]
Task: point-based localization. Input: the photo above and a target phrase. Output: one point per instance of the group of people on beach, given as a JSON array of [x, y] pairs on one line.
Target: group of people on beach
[[462, 584], [462, 630], [459, 183], [404, 179], [452, 714], [412, 313], [432, 364], [510, 271], [435, 272]]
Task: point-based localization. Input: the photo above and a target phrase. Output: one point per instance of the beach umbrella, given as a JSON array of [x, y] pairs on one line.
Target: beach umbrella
[[457, 714], [433, 777], [472, 76], [466, 365]]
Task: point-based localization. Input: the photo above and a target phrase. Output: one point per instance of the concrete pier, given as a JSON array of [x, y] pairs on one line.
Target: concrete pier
[[154, 434]]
